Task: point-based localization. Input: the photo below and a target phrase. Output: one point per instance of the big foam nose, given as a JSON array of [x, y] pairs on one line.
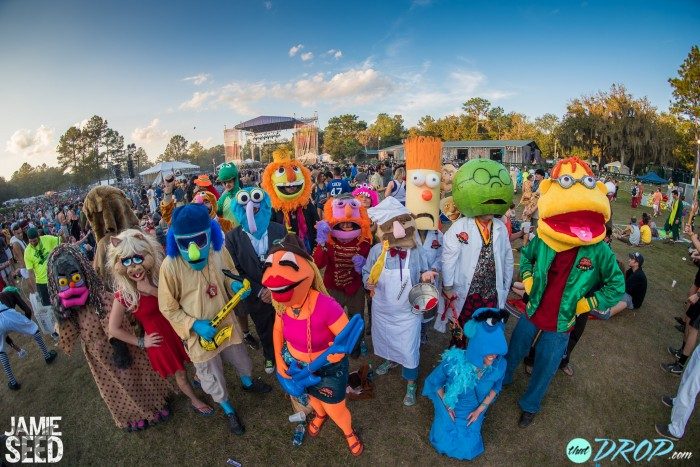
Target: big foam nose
[[193, 252], [348, 210], [398, 230], [291, 177], [427, 195]]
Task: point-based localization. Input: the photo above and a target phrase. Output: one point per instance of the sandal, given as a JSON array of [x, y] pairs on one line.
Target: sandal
[[204, 411], [314, 427], [358, 448]]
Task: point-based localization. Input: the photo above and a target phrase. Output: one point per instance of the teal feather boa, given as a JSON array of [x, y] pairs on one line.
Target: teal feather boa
[[461, 374]]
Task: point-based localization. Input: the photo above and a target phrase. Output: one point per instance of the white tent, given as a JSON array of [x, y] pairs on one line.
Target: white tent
[[617, 167], [309, 158], [156, 173], [325, 157]]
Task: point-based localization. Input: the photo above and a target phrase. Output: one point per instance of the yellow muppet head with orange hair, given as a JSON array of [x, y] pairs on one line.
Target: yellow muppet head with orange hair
[[573, 206], [423, 173], [287, 182]]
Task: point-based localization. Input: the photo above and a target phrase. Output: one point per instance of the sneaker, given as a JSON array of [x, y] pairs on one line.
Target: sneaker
[[676, 353], [235, 424], [55, 337], [410, 397], [568, 370], [269, 367], [604, 315], [526, 419], [385, 367], [664, 431], [258, 386], [252, 342], [667, 401], [674, 368], [52, 356]]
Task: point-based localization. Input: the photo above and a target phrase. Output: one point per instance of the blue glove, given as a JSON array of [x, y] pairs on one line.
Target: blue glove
[[323, 231], [290, 387], [204, 329], [236, 286]]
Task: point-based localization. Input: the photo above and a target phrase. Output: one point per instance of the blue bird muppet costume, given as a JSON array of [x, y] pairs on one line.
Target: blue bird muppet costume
[[465, 383], [195, 296]]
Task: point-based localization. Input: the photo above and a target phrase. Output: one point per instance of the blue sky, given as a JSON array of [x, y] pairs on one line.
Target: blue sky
[[155, 69]]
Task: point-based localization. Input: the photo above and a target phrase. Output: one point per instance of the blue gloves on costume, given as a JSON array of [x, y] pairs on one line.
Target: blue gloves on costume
[[204, 329], [323, 231], [236, 286]]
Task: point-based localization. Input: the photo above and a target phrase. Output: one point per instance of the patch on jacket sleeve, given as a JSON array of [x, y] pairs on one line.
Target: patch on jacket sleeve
[[436, 244], [463, 237], [585, 264]]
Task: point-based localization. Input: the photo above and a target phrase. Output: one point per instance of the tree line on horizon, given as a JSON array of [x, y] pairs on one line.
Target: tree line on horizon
[[606, 126]]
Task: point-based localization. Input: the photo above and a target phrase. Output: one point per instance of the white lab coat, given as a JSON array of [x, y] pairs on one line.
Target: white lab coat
[[434, 258], [459, 259]]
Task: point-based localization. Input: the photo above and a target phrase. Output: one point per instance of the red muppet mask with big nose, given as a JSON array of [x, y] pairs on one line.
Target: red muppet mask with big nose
[[289, 273]]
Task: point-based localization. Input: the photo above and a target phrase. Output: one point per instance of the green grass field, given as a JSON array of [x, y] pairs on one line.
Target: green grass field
[[614, 393]]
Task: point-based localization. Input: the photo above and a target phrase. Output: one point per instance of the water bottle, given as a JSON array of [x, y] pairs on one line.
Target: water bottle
[[22, 353], [299, 432], [363, 347]]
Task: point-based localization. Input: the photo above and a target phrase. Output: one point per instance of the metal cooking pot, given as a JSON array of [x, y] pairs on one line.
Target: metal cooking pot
[[423, 298]]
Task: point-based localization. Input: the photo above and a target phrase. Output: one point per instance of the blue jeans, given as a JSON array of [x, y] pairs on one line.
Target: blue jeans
[[550, 349]]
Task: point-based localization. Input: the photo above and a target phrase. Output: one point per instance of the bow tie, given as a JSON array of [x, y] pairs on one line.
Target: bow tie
[[397, 251]]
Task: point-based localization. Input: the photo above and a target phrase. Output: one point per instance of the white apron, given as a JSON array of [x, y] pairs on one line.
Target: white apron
[[395, 329]]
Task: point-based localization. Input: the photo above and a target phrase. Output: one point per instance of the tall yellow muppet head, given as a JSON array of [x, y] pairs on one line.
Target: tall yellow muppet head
[[423, 174], [287, 182], [573, 206]]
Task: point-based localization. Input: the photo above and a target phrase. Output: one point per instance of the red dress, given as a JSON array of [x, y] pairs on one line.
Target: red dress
[[169, 357]]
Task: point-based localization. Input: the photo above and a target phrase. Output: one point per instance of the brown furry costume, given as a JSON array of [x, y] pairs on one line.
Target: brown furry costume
[[109, 212]]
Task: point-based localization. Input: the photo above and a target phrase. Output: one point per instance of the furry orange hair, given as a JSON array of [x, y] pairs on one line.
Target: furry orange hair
[[423, 152], [573, 161], [364, 222], [282, 158]]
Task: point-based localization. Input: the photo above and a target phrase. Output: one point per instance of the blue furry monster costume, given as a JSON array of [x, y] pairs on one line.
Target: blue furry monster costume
[[192, 290], [463, 385]]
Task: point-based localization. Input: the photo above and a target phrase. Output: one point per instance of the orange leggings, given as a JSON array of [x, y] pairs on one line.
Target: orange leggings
[[338, 412]]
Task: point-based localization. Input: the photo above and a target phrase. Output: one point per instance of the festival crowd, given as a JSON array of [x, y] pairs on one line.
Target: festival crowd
[[332, 265]]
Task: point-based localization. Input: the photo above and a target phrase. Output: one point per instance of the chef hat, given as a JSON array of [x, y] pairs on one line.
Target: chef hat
[[389, 208]]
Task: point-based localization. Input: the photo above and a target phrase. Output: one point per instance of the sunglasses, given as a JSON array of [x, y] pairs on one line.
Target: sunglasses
[[136, 259], [200, 239]]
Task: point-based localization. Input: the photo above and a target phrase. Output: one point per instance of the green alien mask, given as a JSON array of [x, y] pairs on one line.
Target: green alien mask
[[482, 186]]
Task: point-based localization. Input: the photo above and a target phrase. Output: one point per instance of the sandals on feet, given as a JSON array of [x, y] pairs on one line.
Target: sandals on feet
[[204, 410], [315, 424], [357, 448]]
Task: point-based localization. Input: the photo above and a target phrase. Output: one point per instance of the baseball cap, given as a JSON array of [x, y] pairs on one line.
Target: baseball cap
[[637, 256]]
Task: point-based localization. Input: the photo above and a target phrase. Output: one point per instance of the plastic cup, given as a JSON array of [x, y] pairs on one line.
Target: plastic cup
[[297, 417]]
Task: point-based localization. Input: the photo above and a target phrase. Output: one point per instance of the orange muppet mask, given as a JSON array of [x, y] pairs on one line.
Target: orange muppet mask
[[290, 273], [423, 171], [348, 220], [287, 182], [573, 206]]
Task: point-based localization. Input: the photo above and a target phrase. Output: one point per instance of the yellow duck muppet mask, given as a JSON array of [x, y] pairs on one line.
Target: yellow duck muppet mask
[[423, 174], [573, 206]]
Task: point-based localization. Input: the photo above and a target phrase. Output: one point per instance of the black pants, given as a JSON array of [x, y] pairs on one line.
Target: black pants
[[43, 290], [574, 337], [263, 315]]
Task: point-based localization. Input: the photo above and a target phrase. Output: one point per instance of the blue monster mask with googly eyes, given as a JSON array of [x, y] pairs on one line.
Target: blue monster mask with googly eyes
[[252, 209]]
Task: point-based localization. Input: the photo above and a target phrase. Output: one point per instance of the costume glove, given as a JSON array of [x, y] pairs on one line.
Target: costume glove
[[237, 286], [204, 329], [323, 231], [358, 261]]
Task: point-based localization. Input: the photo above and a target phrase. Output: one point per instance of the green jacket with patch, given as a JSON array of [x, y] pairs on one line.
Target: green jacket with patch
[[595, 265]]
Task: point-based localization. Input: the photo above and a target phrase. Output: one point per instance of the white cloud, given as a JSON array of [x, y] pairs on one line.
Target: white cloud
[[81, 124], [198, 79], [197, 101], [268, 5], [150, 133], [295, 49], [334, 53], [38, 145], [305, 57]]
